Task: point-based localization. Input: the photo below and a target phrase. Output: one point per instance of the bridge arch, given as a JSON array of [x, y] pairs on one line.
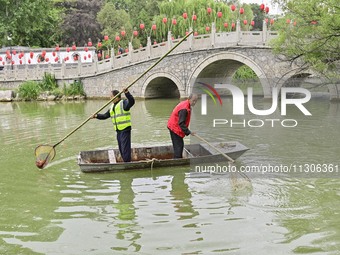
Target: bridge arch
[[222, 66], [162, 85]]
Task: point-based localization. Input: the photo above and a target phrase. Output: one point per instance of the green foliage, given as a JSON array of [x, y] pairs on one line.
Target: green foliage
[[312, 34], [113, 22], [244, 74], [175, 9], [48, 83], [74, 89], [29, 90], [29, 23]]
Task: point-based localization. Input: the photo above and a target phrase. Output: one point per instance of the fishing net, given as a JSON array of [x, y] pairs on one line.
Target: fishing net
[[43, 155]]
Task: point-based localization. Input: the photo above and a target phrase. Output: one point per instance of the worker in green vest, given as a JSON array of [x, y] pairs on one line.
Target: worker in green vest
[[119, 113]]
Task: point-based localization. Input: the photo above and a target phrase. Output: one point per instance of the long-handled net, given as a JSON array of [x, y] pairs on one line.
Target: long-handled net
[[44, 154], [230, 160]]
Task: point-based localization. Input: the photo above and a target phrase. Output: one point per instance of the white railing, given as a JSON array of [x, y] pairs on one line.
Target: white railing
[[75, 69]]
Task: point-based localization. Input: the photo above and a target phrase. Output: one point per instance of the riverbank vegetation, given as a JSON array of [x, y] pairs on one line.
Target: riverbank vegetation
[[48, 89]]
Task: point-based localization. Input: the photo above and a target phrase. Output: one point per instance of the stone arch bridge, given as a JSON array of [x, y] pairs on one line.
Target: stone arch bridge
[[214, 56]]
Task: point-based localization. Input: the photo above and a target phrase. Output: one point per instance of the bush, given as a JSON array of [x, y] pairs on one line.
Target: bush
[[244, 74], [49, 83], [29, 90], [74, 89]]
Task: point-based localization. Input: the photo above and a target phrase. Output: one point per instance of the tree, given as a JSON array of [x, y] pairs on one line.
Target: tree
[[80, 21], [29, 23], [310, 31], [114, 22]]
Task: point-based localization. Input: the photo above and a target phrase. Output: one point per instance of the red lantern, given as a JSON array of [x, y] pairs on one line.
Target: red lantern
[[294, 23], [266, 20], [245, 22], [38, 60], [68, 49], [56, 59], [241, 10], [99, 44], [0, 58], [89, 44], [165, 20], [174, 22], [262, 7], [219, 14], [14, 52], [225, 24], [142, 26], [185, 15], [43, 53], [31, 54], [154, 27], [267, 9], [99, 55], [233, 25], [194, 17], [13, 63], [89, 55], [186, 32], [86, 49], [47, 59], [195, 33], [106, 37], [207, 28], [209, 10], [123, 33], [135, 33], [288, 21], [252, 23], [271, 21], [233, 7], [74, 47], [85, 57], [107, 56], [29, 61], [126, 50], [20, 62], [117, 38], [53, 53]]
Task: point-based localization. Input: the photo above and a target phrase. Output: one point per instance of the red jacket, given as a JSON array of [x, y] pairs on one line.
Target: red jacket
[[174, 118]]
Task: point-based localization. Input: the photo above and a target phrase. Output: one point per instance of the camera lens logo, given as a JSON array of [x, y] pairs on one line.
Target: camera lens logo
[[211, 91]]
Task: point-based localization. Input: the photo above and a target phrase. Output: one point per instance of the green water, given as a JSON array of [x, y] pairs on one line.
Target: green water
[[60, 210]]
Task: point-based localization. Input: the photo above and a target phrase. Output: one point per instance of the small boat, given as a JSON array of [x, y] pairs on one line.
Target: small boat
[[109, 160]]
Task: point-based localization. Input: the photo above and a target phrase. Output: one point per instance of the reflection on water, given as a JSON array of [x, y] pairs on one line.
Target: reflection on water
[[60, 210]]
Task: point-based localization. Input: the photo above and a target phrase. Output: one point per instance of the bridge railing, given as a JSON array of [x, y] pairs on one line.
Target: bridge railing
[[80, 68]]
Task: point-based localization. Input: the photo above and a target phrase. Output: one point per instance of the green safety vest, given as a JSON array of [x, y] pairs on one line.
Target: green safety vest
[[121, 119]]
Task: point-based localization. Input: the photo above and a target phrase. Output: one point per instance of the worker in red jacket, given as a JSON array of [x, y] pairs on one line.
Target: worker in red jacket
[[178, 124]]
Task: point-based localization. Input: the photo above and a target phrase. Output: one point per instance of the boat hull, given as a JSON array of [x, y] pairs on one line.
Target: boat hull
[[158, 156]]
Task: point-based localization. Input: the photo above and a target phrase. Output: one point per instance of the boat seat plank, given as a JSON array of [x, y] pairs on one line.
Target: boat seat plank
[[112, 156]]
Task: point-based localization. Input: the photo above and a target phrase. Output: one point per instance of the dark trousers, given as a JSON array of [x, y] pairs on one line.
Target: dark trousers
[[124, 144], [178, 144]]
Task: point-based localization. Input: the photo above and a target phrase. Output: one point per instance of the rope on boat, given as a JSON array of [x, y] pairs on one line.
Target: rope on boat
[[153, 160]]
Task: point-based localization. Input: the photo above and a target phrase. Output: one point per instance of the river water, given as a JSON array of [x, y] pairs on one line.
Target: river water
[[60, 210]]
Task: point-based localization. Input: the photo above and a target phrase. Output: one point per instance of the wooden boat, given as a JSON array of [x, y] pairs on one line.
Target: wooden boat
[[157, 156]]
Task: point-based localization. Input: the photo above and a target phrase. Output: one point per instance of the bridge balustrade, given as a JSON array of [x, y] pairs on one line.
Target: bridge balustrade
[[81, 68]]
